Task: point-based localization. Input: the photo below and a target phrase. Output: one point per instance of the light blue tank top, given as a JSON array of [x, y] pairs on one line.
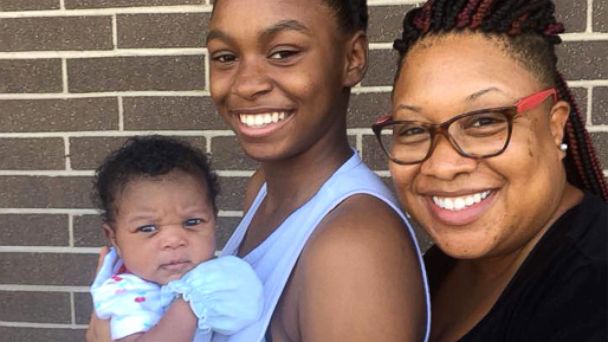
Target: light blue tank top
[[274, 259]]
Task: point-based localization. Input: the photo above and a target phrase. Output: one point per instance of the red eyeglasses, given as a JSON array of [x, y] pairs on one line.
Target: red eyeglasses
[[478, 134]]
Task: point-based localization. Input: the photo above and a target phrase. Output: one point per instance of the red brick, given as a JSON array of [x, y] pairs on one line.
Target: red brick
[[88, 231], [364, 108], [56, 33], [88, 153], [583, 60], [41, 335], [32, 154], [171, 113], [127, 3], [227, 155], [26, 307], [33, 230], [382, 68], [136, 73], [47, 268], [28, 5], [45, 192], [86, 114], [573, 14], [30, 76], [231, 194], [162, 30], [385, 22]]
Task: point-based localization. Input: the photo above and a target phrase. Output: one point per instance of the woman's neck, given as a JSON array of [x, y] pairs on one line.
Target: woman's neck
[[505, 266]]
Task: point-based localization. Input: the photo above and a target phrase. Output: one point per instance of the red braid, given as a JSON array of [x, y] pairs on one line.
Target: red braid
[[481, 13], [464, 17]]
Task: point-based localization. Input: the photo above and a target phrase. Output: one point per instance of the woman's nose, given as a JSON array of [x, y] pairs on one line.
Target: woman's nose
[[445, 162], [251, 80]]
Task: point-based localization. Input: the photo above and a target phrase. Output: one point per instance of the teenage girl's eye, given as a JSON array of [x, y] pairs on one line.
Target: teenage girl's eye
[[223, 57], [149, 228], [283, 54], [193, 222]]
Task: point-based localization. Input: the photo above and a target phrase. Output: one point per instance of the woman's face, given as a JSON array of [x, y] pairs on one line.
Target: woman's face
[[278, 74], [510, 197]]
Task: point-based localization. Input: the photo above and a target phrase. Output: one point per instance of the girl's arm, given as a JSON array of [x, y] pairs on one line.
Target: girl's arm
[[359, 278]]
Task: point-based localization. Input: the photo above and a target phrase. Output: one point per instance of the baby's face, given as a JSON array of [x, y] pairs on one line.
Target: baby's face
[[164, 226]]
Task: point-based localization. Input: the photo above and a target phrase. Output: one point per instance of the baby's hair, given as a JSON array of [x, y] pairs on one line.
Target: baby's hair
[[529, 32], [351, 14], [149, 156]]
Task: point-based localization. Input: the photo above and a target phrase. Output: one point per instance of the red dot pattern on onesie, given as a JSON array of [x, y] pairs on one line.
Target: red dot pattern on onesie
[[116, 278], [140, 299]]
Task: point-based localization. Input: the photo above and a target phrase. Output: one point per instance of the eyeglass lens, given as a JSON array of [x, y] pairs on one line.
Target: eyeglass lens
[[475, 135]]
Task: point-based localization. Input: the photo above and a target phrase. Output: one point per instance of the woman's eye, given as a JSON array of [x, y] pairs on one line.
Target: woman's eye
[[150, 228], [412, 130], [283, 54], [484, 121], [193, 222]]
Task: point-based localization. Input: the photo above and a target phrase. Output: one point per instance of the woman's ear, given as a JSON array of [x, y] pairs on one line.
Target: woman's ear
[[111, 236], [557, 122], [356, 59]]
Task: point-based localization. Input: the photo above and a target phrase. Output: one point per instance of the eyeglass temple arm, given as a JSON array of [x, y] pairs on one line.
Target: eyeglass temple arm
[[530, 102]]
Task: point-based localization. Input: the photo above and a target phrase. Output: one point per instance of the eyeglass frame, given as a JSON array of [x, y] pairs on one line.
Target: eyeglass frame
[[522, 105]]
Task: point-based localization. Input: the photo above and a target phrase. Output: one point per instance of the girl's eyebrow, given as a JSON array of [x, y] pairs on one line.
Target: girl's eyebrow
[[284, 25]]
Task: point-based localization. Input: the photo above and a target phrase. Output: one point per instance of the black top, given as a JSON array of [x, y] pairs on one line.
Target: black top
[[559, 292]]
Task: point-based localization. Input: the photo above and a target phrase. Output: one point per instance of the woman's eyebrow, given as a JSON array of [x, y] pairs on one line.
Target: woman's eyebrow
[[409, 107], [477, 94]]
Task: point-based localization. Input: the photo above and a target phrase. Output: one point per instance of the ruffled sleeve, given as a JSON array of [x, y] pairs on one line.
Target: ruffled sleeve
[[224, 293]]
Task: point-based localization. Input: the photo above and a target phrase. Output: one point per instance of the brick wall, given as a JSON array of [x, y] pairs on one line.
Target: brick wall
[[79, 76]]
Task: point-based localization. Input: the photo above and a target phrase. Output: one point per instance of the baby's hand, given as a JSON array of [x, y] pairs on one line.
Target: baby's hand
[[224, 293]]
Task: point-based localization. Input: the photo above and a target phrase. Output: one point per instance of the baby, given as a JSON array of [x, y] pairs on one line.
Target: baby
[[157, 196]]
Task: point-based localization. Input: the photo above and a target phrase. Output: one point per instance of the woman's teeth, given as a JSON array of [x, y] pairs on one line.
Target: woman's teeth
[[260, 120], [459, 203]]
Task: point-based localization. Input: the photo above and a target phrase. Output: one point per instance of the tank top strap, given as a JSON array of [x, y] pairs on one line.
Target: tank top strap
[[274, 259]]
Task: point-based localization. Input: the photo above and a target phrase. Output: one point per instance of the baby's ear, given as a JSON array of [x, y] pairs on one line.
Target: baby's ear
[[111, 236]]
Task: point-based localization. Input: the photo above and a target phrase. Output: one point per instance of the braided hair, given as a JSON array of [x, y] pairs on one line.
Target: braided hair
[[529, 31]]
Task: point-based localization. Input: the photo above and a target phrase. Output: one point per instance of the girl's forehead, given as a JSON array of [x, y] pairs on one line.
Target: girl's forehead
[[266, 11]]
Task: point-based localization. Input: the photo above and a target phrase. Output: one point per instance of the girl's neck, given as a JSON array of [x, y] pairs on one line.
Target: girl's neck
[[296, 179]]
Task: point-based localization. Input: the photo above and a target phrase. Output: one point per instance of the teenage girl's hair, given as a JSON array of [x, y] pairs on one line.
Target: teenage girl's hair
[[351, 14], [529, 31], [146, 157]]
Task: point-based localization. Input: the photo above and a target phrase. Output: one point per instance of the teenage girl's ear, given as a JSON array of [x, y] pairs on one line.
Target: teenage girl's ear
[[557, 122], [357, 59], [111, 236]]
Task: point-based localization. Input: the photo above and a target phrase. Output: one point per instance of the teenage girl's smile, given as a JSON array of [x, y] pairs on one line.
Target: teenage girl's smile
[[261, 122]]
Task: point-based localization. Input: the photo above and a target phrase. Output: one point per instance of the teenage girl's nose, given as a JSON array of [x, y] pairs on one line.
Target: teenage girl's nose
[[251, 79]]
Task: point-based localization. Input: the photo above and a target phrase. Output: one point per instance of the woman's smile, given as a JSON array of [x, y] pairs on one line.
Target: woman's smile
[[461, 209]]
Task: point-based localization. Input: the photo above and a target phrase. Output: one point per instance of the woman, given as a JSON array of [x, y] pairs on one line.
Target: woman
[[490, 155], [337, 258]]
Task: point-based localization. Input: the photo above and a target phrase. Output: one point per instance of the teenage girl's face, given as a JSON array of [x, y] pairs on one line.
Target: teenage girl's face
[[164, 226], [508, 198], [278, 74]]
